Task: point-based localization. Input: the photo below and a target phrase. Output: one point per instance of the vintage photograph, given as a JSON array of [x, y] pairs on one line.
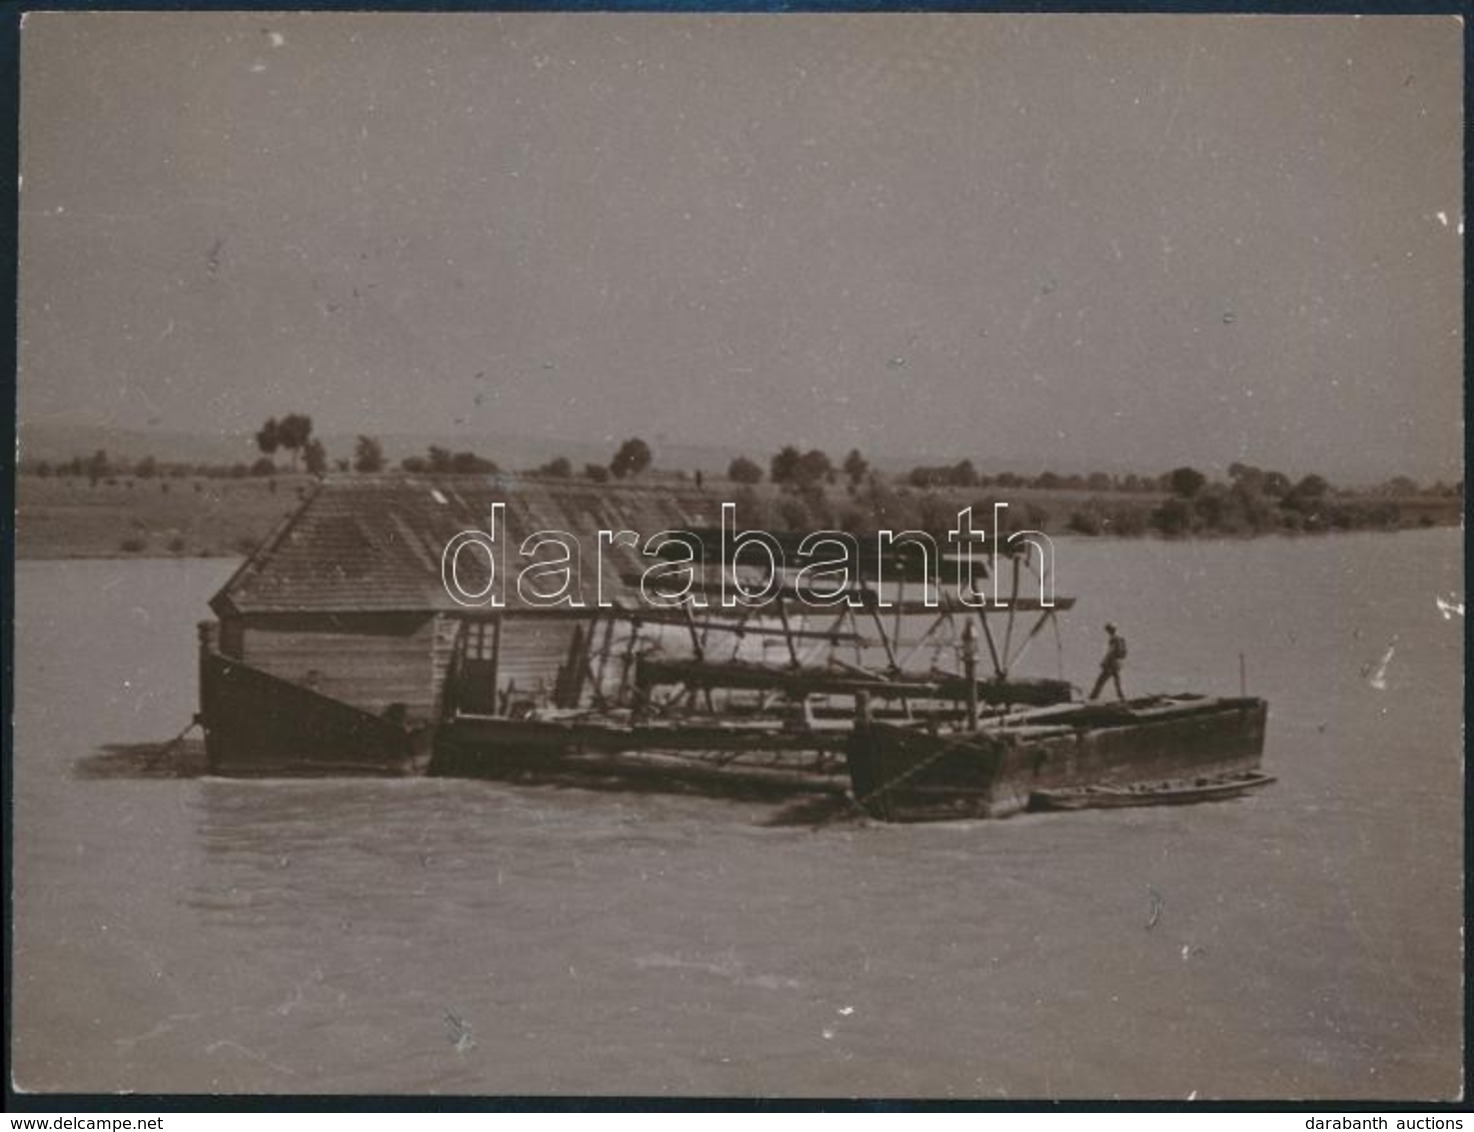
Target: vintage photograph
[[573, 554]]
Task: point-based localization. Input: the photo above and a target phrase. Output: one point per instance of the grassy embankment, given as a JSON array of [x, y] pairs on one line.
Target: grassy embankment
[[67, 517]]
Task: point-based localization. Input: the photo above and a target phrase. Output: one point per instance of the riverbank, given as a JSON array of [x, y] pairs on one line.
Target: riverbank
[[60, 517], [67, 517]]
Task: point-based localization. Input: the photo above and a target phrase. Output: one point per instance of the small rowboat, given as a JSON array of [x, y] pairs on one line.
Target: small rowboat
[[1176, 793]]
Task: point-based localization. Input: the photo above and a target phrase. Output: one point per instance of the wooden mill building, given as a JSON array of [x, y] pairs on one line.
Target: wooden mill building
[[337, 638]]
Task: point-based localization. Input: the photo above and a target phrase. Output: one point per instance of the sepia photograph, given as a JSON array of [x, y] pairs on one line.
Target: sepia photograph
[[807, 555]]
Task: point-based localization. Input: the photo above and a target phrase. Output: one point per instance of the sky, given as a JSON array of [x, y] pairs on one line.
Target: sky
[[1090, 241]]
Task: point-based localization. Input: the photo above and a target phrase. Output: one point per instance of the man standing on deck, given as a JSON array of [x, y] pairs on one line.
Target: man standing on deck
[[1110, 665]]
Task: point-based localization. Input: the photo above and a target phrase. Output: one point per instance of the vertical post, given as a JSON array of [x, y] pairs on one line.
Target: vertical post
[[793, 661], [452, 672], [641, 706], [970, 673], [207, 647], [1243, 677], [1012, 613], [897, 628], [998, 669], [496, 654], [629, 659], [569, 687], [586, 669], [698, 649], [873, 602], [604, 658]]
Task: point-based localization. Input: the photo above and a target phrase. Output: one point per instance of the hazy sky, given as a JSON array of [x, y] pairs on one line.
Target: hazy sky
[[1133, 240]]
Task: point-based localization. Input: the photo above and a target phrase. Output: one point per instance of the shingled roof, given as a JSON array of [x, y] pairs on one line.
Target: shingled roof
[[374, 543]]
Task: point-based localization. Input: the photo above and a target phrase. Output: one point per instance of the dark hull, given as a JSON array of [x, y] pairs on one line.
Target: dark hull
[[765, 755], [258, 724], [909, 773]]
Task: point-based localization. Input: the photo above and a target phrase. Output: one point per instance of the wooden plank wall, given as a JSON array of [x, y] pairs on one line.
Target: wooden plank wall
[[369, 661], [533, 650], [443, 646], [374, 660]]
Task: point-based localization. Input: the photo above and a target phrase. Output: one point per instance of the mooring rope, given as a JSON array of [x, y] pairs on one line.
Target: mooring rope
[[168, 748], [892, 783]]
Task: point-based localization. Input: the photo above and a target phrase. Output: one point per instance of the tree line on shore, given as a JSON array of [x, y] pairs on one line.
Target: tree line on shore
[[293, 434], [1183, 501], [808, 490]]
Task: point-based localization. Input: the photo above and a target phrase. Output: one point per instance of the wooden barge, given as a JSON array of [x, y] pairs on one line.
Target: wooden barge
[[1153, 750], [339, 650]]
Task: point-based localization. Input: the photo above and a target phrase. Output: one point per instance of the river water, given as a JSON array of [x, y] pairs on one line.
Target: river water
[[434, 936]]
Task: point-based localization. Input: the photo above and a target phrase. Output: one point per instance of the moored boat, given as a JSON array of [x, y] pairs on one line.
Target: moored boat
[[1176, 792], [913, 772]]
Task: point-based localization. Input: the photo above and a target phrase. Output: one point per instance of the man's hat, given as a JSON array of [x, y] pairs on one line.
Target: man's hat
[[1110, 627]]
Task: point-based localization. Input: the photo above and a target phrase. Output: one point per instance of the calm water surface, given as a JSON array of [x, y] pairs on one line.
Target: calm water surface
[[424, 936]]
